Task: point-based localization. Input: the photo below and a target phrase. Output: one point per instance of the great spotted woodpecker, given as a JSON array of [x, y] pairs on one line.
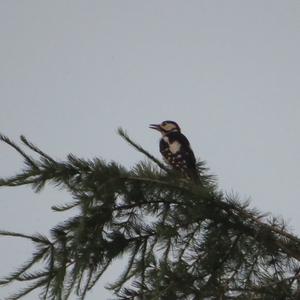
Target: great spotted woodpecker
[[176, 149]]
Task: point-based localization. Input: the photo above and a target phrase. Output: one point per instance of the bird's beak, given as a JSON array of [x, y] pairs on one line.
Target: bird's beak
[[155, 126]]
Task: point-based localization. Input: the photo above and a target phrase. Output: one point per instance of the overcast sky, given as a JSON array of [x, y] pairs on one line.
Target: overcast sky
[[72, 72]]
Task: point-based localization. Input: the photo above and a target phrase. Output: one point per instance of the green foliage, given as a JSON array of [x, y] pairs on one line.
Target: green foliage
[[181, 239]]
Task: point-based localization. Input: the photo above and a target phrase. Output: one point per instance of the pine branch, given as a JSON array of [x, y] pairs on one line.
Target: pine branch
[[126, 275], [245, 215], [64, 207], [86, 284], [124, 135], [36, 149], [27, 158], [13, 182], [98, 274], [174, 233], [19, 274], [27, 290], [28, 276], [35, 238]]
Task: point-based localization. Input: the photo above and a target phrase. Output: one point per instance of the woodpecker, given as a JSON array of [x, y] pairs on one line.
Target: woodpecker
[[175, 148]]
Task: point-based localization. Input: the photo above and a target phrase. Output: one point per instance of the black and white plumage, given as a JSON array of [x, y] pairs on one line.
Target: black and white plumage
[[176, 149]]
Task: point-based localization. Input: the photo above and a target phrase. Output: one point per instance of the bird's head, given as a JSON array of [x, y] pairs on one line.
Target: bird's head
[[166, 127]]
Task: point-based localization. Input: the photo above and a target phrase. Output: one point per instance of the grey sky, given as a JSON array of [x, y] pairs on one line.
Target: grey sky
[[71, 72]]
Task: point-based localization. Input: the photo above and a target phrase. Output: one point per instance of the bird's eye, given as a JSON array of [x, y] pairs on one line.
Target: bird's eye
[[163, 123]]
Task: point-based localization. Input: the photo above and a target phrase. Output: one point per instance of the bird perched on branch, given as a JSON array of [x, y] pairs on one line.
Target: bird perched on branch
[[176, 149]]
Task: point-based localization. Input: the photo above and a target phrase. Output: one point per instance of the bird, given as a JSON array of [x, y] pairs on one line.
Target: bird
[[175, 149]]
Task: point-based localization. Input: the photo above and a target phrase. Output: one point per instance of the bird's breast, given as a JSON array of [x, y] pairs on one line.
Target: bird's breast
[[173, 147]]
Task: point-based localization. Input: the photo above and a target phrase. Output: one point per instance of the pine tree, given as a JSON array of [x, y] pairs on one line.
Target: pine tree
[[181, 239]]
